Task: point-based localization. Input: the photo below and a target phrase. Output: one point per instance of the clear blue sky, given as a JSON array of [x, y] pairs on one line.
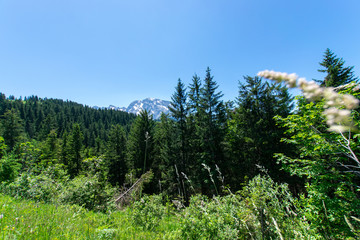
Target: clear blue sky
[[102, 52]]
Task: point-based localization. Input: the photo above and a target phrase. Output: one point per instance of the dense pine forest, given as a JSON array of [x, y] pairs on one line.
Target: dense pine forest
[[263, 166]]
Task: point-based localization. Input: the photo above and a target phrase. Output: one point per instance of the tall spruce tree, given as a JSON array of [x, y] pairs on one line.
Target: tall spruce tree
[[193, 121], [166, 157], [336, 73], [194, 94], [115, 155], [140, 144], [211, 131], [253, 135], [179, 112]]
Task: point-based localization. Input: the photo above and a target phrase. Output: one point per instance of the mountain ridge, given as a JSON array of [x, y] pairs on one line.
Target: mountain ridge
[[153, 105]]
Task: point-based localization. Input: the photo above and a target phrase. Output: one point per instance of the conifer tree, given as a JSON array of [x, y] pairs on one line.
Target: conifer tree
[[75, 147], [210, 130], [337, 73], [115, 155], [140, 144], [194, 94], [64, 149], [193, 121], [3, 103], [179, 112], [11, 128], [49, 151], [166, 157], [253, 134]]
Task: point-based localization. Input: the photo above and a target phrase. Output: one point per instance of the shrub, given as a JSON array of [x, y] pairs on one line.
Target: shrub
[[89, 192], [273, 211], [211, 219], [148, 212], [9, 168], [262, 210], [36, 187]]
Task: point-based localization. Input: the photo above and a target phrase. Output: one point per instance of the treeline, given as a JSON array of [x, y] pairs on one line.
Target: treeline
[[33, 118], [204, 146]]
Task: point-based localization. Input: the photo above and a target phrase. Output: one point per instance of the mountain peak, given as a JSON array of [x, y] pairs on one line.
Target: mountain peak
[[153, 105]]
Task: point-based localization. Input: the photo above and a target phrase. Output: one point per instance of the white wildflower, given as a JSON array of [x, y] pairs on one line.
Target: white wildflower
[[292, 76], [291, 83], [302, 83], [313, 92], [331, 111], [289, 79], [339, 128], [343, 116], [330, 94], [310, 86], [334, 115], [350, 102]]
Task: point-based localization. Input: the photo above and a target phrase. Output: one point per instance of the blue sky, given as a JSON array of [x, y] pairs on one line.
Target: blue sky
[[102, 52]]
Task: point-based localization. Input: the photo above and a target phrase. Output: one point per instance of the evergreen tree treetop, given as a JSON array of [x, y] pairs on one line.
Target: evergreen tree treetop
[[337, 73], [178, 106]]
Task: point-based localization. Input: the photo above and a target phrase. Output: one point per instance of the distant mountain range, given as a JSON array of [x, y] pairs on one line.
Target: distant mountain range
[[152, 105]]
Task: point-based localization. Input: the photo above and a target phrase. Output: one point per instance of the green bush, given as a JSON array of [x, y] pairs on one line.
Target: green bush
[[54, 186], [9, 168], [89, 192], [328, 162], [262, 210], [273, 210], [148, 212], [36, 187], [211, 219]]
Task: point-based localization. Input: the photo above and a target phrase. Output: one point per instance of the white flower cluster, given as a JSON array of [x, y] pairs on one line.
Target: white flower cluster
[[290, 79], [338, 119]]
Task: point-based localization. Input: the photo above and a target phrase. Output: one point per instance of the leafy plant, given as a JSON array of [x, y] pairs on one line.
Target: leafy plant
[[37, 187], [148, 212], [262, 210], [89, 192], [323, 160], [9, 168], [326, 157]]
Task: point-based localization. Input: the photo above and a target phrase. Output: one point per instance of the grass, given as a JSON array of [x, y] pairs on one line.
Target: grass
[[262, 210], [22, 219]]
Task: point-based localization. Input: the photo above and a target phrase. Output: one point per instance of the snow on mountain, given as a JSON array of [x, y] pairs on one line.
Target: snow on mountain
[[152, 105]]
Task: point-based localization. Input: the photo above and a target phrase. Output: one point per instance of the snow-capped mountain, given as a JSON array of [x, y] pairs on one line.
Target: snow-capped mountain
[[152, 105]]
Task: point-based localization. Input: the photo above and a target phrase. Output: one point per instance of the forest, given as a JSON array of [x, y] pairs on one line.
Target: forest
[[266, 165]]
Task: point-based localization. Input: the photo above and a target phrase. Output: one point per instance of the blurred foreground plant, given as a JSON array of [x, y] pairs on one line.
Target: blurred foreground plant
[[322, 128]]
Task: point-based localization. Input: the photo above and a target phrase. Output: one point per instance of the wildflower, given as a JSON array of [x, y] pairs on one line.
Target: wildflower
[[302, 82], [335, 115], [338, 128], [289, 79], [292, 83], [350, 102], [339, 120], [311, 90]]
